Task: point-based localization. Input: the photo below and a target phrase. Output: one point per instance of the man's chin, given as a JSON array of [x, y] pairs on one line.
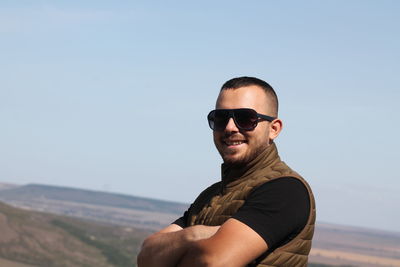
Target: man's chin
[[236, 161], [239, 160]]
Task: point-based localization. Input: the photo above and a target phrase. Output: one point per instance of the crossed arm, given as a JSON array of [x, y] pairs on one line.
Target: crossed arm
[[231, 244]]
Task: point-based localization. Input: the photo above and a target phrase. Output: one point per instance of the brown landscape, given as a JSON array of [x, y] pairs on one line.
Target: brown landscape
[[101, 225], [335, 244], [30, 238]]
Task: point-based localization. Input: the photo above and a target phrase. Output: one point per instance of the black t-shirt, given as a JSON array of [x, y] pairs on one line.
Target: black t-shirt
[[277, 210]]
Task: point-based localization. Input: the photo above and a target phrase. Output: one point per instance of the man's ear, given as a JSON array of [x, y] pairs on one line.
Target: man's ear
[[275, 128]]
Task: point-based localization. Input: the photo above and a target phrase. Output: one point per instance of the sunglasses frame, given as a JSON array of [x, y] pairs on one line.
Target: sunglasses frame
[[231, 114]]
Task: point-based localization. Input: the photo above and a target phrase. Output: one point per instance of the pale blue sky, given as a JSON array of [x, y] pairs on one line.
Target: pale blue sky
[[113, 95]]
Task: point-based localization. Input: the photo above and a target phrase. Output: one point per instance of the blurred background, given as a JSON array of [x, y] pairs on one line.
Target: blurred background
[[113, 95]]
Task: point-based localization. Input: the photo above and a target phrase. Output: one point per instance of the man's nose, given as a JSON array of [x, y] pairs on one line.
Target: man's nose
[[231, 126]]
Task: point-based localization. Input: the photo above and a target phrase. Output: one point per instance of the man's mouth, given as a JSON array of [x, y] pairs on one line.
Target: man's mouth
[[234, 142]]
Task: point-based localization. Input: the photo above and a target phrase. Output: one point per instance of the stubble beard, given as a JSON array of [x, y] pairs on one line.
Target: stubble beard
[[244, 160]]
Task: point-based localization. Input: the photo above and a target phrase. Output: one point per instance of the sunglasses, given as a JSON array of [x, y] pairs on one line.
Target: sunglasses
[[245, 118]]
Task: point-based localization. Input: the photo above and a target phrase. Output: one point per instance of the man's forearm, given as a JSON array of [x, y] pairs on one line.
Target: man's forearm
[[163, 249], [166, 249]]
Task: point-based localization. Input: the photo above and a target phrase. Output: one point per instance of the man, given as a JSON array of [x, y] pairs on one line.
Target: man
[[262, 213]]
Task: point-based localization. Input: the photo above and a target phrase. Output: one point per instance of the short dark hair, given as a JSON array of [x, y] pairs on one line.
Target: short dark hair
[[244, 81]]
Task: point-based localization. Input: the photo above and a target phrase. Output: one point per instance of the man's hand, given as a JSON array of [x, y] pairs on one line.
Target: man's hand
[[166, 247]]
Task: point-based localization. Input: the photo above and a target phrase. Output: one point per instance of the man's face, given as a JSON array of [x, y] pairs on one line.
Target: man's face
[[239, 146]]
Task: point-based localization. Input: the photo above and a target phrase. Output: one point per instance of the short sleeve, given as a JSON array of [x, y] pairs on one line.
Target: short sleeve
[[199, 203], [277, 210], [180, 221]]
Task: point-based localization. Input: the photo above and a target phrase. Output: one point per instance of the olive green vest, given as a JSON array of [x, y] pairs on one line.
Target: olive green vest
[[220, 201]]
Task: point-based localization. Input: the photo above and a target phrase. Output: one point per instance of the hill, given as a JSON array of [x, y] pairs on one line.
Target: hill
[[332, 244], [30, 238], [105, 207]]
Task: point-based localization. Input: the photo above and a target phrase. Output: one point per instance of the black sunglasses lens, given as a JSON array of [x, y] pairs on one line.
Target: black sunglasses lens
[[210, 118], [246, 119], [219, 119]]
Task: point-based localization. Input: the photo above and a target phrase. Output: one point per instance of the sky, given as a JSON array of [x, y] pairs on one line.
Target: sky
[[113, 95]]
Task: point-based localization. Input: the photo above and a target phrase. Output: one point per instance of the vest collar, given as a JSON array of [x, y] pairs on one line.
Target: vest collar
[[232, 173]]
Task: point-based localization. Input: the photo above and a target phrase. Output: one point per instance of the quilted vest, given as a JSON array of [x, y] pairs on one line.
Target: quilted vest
[[220, 201]]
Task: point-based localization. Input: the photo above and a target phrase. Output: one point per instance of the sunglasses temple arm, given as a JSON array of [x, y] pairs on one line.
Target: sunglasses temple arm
[[265, 117]]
